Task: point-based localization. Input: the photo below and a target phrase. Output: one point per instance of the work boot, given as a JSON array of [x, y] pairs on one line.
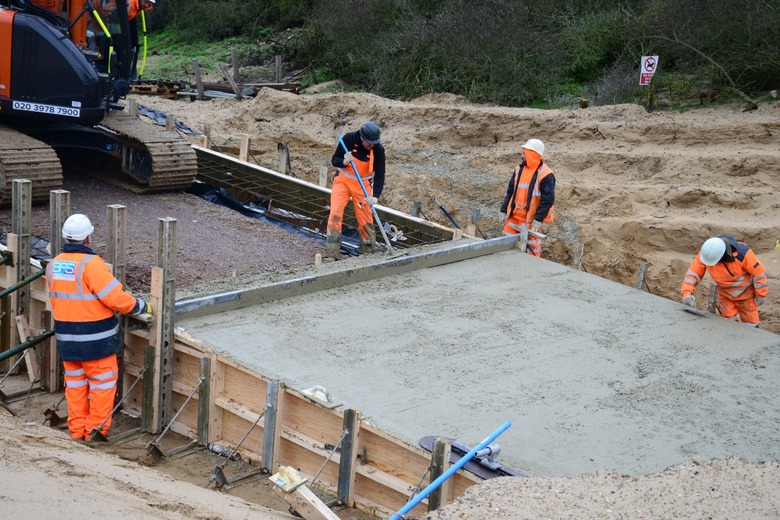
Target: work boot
[[333, 245], [371, 240], [365, 246]]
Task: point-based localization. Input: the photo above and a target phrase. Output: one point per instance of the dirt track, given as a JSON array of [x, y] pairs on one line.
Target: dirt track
[[632, 186]]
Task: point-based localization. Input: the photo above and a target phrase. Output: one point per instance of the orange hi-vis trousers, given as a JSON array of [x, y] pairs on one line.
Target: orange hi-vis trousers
[[343, 188], [90, 388], [534, 246]]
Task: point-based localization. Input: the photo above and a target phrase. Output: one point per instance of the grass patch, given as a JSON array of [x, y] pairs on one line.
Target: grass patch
[[171, 59]]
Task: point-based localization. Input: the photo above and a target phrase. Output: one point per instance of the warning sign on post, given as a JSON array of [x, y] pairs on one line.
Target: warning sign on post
[[649, 65]]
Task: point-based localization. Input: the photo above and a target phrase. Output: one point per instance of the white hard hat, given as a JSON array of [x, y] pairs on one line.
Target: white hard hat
[[712, 251], [536, 145], [77, 227]]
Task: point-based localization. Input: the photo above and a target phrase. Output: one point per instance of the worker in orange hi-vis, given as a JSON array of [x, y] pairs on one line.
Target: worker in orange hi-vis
[[136, 6], [530, 195], [84, 296], [368, 156], [741, 278]]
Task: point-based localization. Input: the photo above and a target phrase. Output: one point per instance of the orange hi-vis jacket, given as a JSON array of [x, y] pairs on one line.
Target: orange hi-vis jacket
[[364, 168], [84, 295], [133, 9], [742, 279], [526, 199]]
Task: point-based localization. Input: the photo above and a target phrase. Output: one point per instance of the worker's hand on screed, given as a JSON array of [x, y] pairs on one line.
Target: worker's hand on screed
[[536, 226], [760, 301], [371, 200], [347, 159], [690, 301]]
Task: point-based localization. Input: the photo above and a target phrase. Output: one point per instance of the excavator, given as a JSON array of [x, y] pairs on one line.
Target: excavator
[[65, 66]]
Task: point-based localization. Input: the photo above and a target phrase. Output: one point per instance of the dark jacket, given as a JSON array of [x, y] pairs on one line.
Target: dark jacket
[[355, 146]]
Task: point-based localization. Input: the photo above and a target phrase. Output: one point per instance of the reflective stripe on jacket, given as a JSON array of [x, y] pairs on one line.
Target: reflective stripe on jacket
[[741, 279], [84, 295], [530, 198], [365, 168]]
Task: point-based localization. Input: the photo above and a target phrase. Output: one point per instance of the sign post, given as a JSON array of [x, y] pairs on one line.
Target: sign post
[[648, 66]]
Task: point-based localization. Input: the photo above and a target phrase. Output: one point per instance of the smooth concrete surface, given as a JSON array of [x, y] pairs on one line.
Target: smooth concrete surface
[[591, 373]]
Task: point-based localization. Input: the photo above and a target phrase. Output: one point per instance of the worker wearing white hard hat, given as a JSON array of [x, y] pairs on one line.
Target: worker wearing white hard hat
[[740, 276], [530, 196], [84, 297]]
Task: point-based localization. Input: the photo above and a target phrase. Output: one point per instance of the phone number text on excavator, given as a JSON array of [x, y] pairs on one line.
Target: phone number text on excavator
[[46, 109]]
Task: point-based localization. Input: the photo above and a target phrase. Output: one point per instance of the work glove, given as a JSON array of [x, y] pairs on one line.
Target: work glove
[[760, 301], [347, 159], [371, 200], [536, 226], [148, 310], [689, 300]]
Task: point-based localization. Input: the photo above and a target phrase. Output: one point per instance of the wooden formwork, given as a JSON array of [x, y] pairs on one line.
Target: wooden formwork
[[372, 470]]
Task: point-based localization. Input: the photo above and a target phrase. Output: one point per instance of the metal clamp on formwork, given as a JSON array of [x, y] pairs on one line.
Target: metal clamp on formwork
[[153, 448], [55, 421], [96, 435], [217, 473]]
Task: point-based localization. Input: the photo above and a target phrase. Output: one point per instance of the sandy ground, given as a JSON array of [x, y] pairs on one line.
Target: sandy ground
[[632, 187]]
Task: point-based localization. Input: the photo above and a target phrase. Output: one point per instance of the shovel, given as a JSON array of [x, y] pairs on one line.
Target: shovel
[[365, 194]]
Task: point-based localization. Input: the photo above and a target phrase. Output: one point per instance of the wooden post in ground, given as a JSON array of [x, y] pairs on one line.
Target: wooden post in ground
[[116, 247], [169, 124], [284, 158], [234, 61], [471, 229], [246, 146], [198, 79], [229, 78], [132, 107], [278, 63], [579, 257], [440, 462], [205, 139], [51, 373], [59, 209], [30, 355], [712, 299], [640, 282], [348, 462], [324, 176]]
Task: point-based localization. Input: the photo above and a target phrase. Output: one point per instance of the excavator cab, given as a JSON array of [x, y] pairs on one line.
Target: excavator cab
[[64, 67], [65, 59]]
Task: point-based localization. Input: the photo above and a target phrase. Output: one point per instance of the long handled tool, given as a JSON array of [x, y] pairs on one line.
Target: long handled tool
[[153, 448], [365, 194], [446, 213]]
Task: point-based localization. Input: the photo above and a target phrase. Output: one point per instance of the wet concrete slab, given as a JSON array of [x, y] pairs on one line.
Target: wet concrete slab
[[591, 373]]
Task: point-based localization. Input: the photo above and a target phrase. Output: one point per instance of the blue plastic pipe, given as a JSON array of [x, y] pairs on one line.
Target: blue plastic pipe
[[447, 474], [365, 194]]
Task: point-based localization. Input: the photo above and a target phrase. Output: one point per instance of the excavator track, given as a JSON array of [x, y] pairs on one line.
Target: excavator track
[[157, 160], [22, 157]]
